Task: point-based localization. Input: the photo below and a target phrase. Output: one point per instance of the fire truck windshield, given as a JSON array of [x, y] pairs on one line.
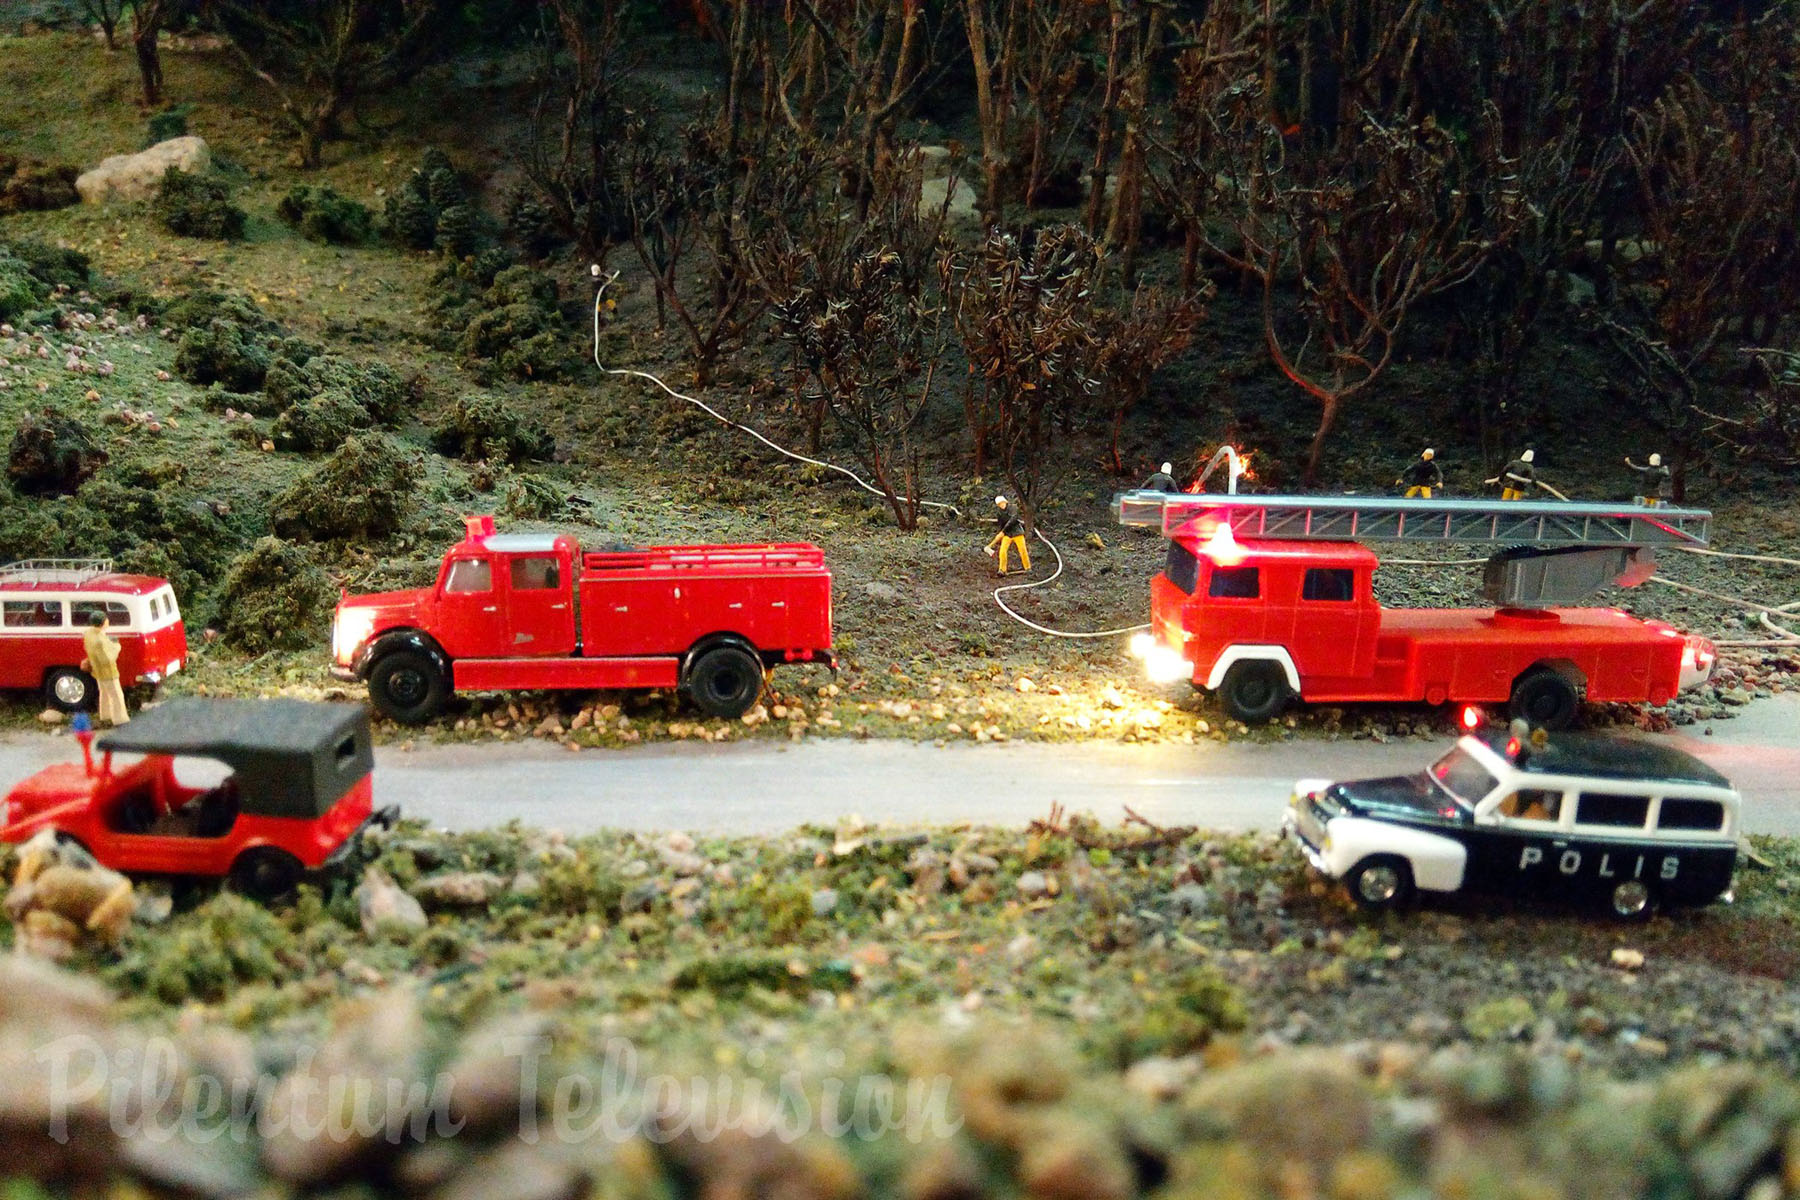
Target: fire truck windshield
[[1182, 567]]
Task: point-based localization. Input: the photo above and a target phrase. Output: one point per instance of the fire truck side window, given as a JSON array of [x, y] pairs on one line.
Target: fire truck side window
[[535, 574], [470, 575], [33, 614], [115, 613], [1182, 567], [1236, 583], [1329, 583]]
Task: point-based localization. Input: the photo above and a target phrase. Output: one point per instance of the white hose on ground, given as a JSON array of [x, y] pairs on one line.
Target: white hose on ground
[[1049, 579], [714, 413]]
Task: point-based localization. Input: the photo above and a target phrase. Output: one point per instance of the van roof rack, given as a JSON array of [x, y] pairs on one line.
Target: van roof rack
[[68, 571]]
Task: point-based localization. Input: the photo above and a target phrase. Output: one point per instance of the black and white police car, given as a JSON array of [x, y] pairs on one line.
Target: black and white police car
[[1588, 818]]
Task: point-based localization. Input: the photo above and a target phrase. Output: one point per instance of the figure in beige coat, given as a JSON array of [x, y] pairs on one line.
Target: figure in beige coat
[[102, 662]]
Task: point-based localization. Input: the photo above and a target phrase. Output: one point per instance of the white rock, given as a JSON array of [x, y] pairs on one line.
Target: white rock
[[137, 176]]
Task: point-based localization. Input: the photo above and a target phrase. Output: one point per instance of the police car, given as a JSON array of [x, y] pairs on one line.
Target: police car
[[1586, 818]]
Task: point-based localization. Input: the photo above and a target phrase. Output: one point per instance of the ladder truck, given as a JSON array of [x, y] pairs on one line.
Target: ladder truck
[[1269, 599]]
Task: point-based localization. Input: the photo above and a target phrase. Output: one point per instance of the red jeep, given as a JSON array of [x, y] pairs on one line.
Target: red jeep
[[44, 609], [293, 798], [536, 611]]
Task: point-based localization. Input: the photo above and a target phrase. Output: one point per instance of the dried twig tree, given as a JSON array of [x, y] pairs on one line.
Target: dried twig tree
[[572, 151], [857, 303]]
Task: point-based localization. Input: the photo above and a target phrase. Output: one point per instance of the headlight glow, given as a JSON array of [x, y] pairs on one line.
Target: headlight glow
[[348, 631], [1166, 665]]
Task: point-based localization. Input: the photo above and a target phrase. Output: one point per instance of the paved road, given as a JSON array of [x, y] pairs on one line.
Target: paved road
[[764, 787]]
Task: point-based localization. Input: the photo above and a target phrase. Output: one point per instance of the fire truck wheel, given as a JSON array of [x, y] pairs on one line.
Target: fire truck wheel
[[725, 681], [266, 873], [1546, 699], [1254, 692], [1380, 882], [407, 687], [69, 690]]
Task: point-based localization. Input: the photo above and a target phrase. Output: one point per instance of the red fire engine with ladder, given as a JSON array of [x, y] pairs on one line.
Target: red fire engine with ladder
[[1264, 599]]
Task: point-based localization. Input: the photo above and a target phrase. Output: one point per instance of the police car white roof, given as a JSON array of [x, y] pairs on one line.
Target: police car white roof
[[1620, 821]]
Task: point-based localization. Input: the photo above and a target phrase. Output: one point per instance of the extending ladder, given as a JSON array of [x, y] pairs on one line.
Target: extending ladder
[[1539, 523]]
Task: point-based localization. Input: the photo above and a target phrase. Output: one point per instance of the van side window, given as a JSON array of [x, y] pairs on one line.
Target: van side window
[[535, 574], [470, 575], [1236, 583], [1329, 583], [1681, 813], [1603, 808], [1532, 804], [114, 612], [33, 614]]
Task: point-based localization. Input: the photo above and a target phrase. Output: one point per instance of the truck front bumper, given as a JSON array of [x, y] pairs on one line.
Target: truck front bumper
[[347, 674]]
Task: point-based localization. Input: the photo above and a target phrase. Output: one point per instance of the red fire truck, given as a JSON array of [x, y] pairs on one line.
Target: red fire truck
[[1265, 599], [536, 611], [45, 605]]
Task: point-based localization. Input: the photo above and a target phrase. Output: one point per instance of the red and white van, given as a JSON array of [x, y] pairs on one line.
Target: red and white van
[[45, 606]]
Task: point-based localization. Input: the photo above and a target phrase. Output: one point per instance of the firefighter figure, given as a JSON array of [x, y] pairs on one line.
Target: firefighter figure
[[1656, 486], [102, 662], [1422, 477], [1010, 537], [1163, 480], [1517, 475]]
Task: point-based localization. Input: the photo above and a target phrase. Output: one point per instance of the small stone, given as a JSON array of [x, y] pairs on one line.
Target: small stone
[[885, 592], [459, 889], [1627, 959], [382, 903], [824, 902], [1034, 885], [50, 716], [679, 842]]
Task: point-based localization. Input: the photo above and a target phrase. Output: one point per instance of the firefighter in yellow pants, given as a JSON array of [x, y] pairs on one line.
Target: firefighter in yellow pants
[[1010, 537], [1423, 477], [1518, 475], [102, 662]]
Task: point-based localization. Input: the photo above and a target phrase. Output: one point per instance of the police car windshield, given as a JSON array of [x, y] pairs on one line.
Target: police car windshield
[[1460, 774]]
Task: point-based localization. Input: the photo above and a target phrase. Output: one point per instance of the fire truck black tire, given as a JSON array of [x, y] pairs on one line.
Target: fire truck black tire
[[406, 686], [1546, 699], [1254, 692], [1380, 882], [266, 873], [68, 690], [725, 681]]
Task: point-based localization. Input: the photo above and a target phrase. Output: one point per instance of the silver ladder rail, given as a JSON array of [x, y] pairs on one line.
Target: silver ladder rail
[[67, 571], [1391, 519]]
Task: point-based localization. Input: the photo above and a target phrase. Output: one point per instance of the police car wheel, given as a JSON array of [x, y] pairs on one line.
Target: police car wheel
[[69, 690], [1380, 883], [725, 681], [1632, 901], [1546, 699], [1254, 692]]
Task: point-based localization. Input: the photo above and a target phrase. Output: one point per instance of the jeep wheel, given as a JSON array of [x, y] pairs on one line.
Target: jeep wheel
[[1254, 692], [1380, 883], [266, 873], [408, 687], [725, 681], [68, 690], [1546, 699], [1632, 901]]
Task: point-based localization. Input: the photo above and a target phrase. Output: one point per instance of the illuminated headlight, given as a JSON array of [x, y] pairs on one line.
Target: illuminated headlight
[[1165, 665], [1141, 644], [349, 630], [1698, 658]]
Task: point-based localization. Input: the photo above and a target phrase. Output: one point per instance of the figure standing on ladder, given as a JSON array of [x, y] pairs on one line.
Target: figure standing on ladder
[[1517, 475], [1010, 537], [1422, 477], [1656, 486], [102, 662]]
